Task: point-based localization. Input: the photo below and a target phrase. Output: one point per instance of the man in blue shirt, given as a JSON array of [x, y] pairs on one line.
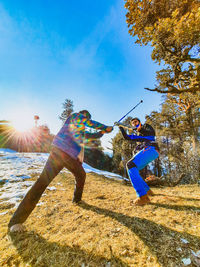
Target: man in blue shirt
[[67, 151], [145, 152]]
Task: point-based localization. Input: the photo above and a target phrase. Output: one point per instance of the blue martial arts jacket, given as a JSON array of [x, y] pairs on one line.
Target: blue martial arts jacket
[[146, 137]]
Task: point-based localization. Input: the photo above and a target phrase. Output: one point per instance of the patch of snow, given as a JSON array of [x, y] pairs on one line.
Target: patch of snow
[[186, 261], [2, 213], [185, 241], [51, 188], [40, 203], [7, 150], [16, 168], [196, 254], [107, 174], [13, 193]]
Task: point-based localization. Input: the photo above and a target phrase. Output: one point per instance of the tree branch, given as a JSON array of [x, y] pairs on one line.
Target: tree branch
[[174, 90]]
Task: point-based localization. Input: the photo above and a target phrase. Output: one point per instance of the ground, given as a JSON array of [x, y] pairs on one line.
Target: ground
[[106, 229]]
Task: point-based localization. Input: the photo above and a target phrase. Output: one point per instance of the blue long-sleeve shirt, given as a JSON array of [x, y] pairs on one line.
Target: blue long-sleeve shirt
[[72, 134], [146, 136]]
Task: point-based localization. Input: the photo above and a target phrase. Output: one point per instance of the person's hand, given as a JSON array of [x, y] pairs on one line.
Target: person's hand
[[109, 129], [117, 123]]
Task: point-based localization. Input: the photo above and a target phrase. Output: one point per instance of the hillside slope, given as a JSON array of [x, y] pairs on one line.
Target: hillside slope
[[106, 229]]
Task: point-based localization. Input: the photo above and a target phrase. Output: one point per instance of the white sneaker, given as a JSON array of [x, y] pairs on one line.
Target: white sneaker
[[17, 228]]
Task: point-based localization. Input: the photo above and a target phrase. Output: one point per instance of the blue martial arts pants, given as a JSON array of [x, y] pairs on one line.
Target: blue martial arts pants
[[137, 163]]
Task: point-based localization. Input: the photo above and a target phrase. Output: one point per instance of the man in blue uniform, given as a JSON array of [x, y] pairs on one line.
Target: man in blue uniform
[[66, 152], [145, 152]]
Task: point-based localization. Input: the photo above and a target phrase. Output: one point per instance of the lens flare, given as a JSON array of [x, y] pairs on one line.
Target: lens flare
[[22, 125], [20, 134]]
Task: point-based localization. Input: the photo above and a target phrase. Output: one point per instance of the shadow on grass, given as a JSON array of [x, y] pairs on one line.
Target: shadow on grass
[[179, 197], [162, 241], [37, 251], [176, 207]]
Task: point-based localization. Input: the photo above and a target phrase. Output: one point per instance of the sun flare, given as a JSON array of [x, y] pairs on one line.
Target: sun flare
[[23, 122]]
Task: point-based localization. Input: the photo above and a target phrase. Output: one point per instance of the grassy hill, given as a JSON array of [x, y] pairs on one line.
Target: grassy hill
[[106, 229]]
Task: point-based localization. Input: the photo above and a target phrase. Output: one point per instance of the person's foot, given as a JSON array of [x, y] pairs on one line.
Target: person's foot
[[150, 193], [77, 195], [141, 201], [19, 228], [76, 201], [79, 203]]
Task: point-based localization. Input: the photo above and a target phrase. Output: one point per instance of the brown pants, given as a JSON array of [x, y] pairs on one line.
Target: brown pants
[[56, 162]]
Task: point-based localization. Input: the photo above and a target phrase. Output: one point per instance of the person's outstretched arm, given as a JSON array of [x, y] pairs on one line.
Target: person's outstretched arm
[[89, 135], [98, 126], [78, 119], [135, 138], [125, 135]]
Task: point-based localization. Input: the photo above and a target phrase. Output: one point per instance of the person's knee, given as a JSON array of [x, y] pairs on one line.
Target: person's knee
[[130, 165], [83, 177]]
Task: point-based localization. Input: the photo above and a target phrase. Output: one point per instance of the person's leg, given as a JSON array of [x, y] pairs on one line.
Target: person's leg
[[138, 183], [75, 166], [53, 166], [140, 160], [143, 158], [80, 176]]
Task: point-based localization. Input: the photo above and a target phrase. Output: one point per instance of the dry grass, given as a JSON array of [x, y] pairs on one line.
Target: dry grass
[[105, 230]]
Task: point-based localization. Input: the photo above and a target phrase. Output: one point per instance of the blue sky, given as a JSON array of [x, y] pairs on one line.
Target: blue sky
[[81, 50]]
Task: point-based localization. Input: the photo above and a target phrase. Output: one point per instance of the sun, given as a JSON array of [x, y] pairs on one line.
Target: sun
[[23, 122], [21, 126]]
